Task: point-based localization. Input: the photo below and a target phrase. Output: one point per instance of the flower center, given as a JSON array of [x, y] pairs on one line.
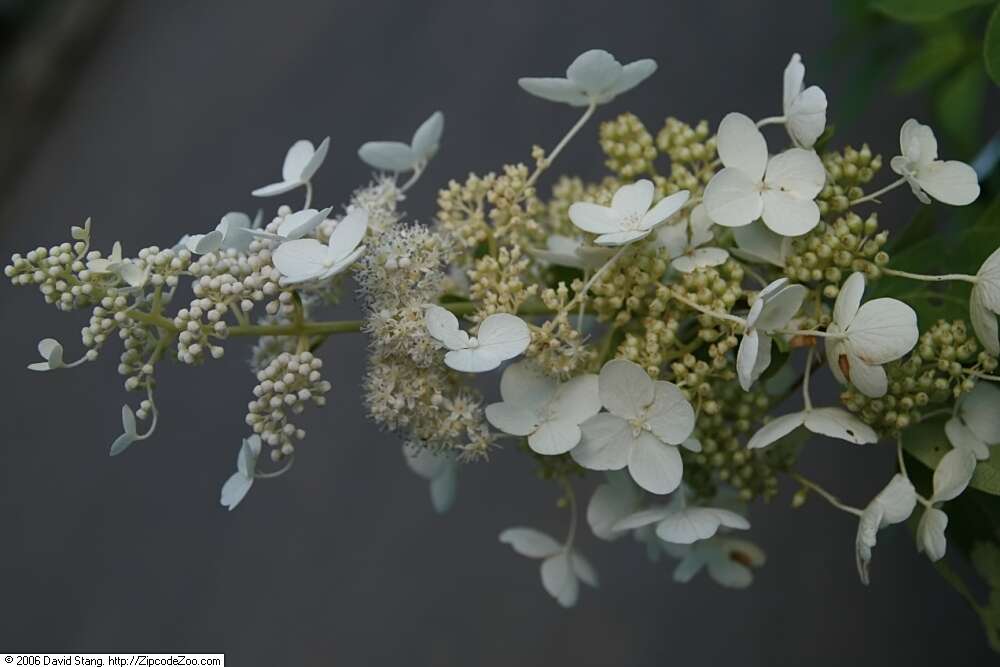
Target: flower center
[[631, 222], [638, 425], [473, 341]]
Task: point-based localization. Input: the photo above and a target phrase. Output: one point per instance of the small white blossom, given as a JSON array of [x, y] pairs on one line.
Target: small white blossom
[[976, 424], [645, 422], [756, 243], [892, 505], [563, 568], [501, 336], [396, 156], [863, 337], [984, 303], [684, 242], [301, 163], [805, 110], [595, 77], [549, 413], [110, 264], [831, 422], [679, 524], [774, 308], [234, 232], [729, 561], [238, 485], [438, 468], [950, 182], [294, 225], [303, 260], [629, 218], [566, 251], [780, 189], [129, 434], [931, 539], [952, 475], [52, 352]]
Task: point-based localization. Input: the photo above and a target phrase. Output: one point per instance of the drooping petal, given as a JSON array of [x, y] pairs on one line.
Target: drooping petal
[[298, 224], [246, 460], [787, 214], [953, 473], [753, 357], [302, 259], [503, 335], [642, 518], [670, 417], [425, 462], [883, 330], [605, 443], [757, 243], [427, 138], [840, 424], [235, 490], [664, 208], [691, 524], [930, 534], [296, 159], [776, 429], [530, 542], [348, 233], [559, 579], [315, 161], [513, 419], [780, 307], [610, 504], [577, 400], [582, 568], [625, 388], [869, 379], [275, 189], [742, 146], [917, 142], [443, 489], [732, 199], [952, 182], [594, 218], [806, 119], [555, 89], [655, 466], [388, 155], [620, 238], [633, 199]]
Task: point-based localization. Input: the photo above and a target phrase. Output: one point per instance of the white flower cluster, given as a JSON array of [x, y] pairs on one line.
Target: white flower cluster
[[639, 326]]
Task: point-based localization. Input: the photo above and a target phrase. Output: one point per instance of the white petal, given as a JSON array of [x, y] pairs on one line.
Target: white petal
[[347, 234], [425, 462], [798, 172], [866, 538], [897, 499], [52, 351], [632, 75], [979, 411], [692, 445], [554, 437], [577, 400], [794, 75], [584, 571], [594, 218], [472, 360], [609, 504], [953, 473], [961, 437], [605, 443], [698, 523], [674, 238], [503, 335], [302, 259], [835, 351], [642, 518], [530, 542], [670, 417], [234, 491], [759, 244], [930, 534], [634, 199], [246, 459], [917, 142], [984, 321], [298, 224], [742, 146], [316, 161], [559, 579], [235, 234], [555, 89], [779, 308], [525, 385], [700, 258], [883, 330], [869, 379], [840, 424], [729, 573], [513, 419], [296, 159], [806, 119], [128, 420], [388, 155], [121, 443], [776, 429], [427, 138], [849, 299], [655, 466], [443, 489], [625, 388], [442, 325], [690, 565], [950, 182], [594, 71], [202, 244], [664, 208], [788, 215], [733, 199], [276, 189], [620, 238], [746, 358]]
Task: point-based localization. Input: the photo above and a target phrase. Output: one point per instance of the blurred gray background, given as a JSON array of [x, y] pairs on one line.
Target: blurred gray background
[[179, 109]]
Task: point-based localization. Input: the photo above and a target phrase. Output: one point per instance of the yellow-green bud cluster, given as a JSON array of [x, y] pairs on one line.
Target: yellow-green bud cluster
[[629, 147], [653, 345], [832, 251], [691, 150], [932, 375], [569, 190], [624, 289], [847, 172]]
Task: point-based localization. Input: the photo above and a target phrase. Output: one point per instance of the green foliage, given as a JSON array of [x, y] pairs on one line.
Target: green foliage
[[922, 10], [927, 443], [991, 46]]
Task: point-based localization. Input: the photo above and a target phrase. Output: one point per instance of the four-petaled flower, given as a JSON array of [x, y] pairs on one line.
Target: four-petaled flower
[[301, 162], [397, 156], [831, 422], [892, 505], [774, 308], [234, 232], [950, 182], [563, 568], [238, 485], [863, 337], [52, 352], [501, 336], [729, 561], [595, 77], [294, 225], [645, 422], [780, 190], [684, 242], [629, 217], [539, 407], [303, 260]]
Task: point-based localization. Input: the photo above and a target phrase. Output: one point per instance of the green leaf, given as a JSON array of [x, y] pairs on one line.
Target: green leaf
[[959, 104], [991, 46], [939, 53], [927, 443], [985, 558], [915, 11]]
